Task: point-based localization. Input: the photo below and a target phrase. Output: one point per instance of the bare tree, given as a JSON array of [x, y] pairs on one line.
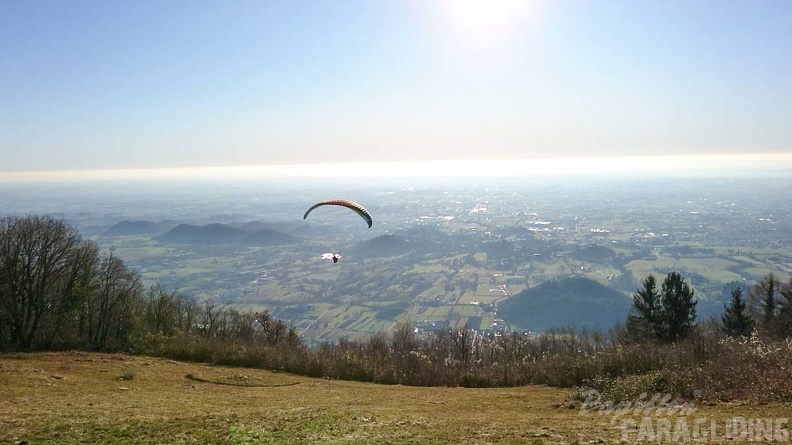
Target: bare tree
[[42, 261], [210, 318], [187, 311], [403, 344], [463, 347], [110, 308], [160, 307]]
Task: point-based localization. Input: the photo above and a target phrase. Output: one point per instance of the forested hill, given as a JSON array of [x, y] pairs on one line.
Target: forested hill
[[384, 246], [128, 227], [224, 234], [565, 302]]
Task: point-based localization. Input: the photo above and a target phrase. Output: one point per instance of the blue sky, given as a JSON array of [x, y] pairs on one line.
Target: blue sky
[[142, 84]]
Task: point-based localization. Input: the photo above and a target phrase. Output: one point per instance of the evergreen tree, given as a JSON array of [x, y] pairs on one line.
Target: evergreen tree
[[783, 323], [769, 301], [643, 316], [678, 309], [666, 316], [763, 302], [736, 320]]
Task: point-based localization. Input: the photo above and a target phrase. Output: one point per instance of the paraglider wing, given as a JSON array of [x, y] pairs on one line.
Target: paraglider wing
[[355, 207]]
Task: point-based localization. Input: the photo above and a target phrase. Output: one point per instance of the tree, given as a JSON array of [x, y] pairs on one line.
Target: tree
[[763, 303], [159, 307], [667, 316], [110, 307], [736, 320], [783, 324], [678, 309], [643, 317], [403, 344], [43, 262]]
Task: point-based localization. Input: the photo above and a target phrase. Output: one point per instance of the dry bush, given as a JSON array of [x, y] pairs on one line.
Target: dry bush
[[705, 366], [748, 369]]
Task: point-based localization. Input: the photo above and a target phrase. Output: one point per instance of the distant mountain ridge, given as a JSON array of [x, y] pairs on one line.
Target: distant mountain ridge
[[217, 233], [133, 227], [291, 228]]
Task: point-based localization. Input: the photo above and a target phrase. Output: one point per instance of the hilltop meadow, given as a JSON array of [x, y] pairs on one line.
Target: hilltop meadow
[[76, 397]]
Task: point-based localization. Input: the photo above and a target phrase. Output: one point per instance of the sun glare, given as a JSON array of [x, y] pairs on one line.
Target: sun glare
[[700, 165], [483, 23]]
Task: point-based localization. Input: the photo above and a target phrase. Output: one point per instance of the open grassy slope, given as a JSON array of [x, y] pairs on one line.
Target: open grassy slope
[[99, 398]]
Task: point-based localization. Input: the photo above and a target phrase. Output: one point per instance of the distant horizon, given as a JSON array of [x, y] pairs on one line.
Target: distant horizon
[[703, 164]]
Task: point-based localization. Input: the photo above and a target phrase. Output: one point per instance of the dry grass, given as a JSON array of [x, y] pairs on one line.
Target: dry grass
[[107, 398]]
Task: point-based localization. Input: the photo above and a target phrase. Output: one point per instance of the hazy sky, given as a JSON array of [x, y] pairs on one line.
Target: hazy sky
[[163, 83]]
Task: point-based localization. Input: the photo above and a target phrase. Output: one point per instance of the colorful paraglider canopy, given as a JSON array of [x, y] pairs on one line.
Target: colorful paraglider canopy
[[355, 207]]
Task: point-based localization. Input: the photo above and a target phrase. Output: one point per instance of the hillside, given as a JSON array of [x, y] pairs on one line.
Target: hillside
[[383, 246], [290, 228], [69, 398], [217, 233], [129, 227], [596, 254], [565, 302]]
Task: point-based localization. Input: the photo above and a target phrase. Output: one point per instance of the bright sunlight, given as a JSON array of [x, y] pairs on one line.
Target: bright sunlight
[[483, 24]]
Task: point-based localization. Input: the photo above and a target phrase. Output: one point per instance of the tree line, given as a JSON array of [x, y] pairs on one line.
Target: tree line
[[58, 291], [668, 314]]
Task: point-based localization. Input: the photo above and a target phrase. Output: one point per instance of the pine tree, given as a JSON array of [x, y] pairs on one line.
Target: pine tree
[[667, 315], [642, 320], [763, 303], [769, 301], [678, 309], [783, 323], [736, 320]]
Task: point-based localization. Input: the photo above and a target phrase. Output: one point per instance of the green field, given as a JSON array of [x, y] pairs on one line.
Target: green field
[[452, 281]]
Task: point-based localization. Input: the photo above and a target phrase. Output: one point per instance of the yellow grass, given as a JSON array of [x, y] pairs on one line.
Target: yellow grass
[[108, 398]]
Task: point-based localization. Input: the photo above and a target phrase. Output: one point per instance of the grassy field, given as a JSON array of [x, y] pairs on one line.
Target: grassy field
[[99, 398]]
